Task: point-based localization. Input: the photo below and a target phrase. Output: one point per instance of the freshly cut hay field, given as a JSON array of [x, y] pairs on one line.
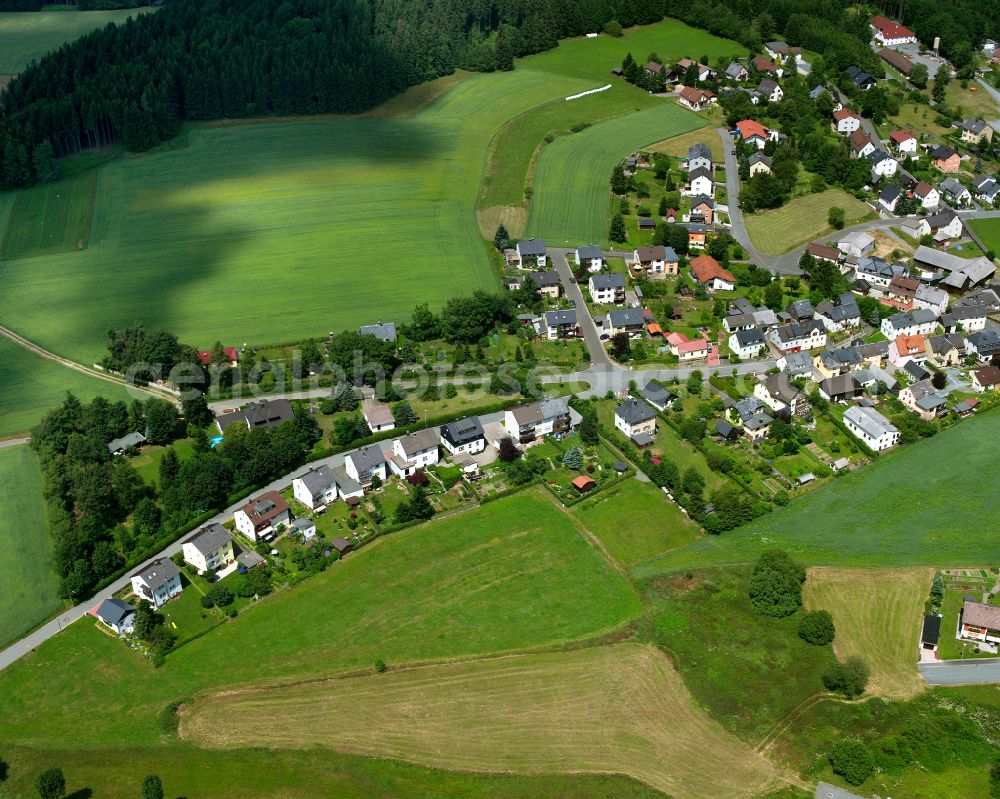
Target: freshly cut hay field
[[28, 585], [512, 575], [27, 36], [620, 709], [51, 218], [30, 386], [268, 233], [571, 186], [802, 219], [930, 504], [877, 614], [635, 522]]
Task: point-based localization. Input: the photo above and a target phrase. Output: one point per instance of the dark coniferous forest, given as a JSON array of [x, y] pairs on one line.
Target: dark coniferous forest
[[208, 59]]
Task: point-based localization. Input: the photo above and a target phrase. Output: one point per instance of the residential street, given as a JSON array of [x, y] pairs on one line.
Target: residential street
[[961, 672]]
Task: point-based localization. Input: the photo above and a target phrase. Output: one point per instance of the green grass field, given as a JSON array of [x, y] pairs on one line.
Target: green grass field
[[895, 512], [571, 193], [802, 219], [31, 385], [27, 36], [989, 231], [512, 575], [635, 522], [29, 588], [259, 232], [51, 218]]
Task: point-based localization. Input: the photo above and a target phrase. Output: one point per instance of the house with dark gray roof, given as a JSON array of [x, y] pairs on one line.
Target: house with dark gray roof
[[924, 400], [840, 388], [157, 582], [625, 320], [317, 488], [748, 343], [530, 254], [918, 321], [589, 256], [116, 615], [777, 392], [383, 331], [209, 549], [558, 324], [840, 313], [534, 420], [366, 463], [117, 446], [463, 435], [985, 345], [607, 289], [257, 415], [636, 420], [657, 396]]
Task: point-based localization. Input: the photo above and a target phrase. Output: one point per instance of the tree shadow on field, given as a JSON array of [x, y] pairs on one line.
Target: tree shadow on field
[[83, 793]]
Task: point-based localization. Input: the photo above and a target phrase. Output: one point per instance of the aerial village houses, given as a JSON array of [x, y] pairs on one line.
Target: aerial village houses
[[896, 60], [260, 518], [923, 399], [257, 415], [637, 421], [535, 420], [889, 33], [706, 270], [845, 121], [209, 549], [530, 254], [770, 90], [696, 99], [871, 428], [625, 320], [747, 344], [558, 324], [904, 143], [759, 163], [909, 323], [753, 418], [986, 378], [964, 319], [590, 256], [377, 415], [463, 435], [365, 464], [751, 130], [945, 158], [315, 489], [383, 331], [975, 130], [777, 392], [980, 622], [607, 289], [656, 261], [702, 209], [116, 615], [700, 182], [414, 451], [699, 157], [157, 583], [799, 336], [687, 349], [861, 144]]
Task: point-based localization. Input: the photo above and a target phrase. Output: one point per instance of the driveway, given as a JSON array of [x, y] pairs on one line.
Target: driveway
[[961, 672]]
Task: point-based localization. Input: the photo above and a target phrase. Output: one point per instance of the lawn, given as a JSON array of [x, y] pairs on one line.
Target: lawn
[[620, 708], [31, 385], [298, 209], [52, 218], [29, 590], [511, 575], [27, 36], [678, 145], [571, 185], [147, 462], [877, 614], [653, 525], [802, 219], [315, 774], [895, 512], [989, 231], [973, 101]]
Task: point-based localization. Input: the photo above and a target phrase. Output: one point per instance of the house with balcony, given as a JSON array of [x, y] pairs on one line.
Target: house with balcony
[[157, 583], [527, 423], [210, 549], [260, 518]]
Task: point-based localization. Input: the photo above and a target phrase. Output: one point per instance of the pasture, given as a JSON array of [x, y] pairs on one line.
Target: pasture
[[259, 232], [27, 36], [609, 709], [635, 521], [29, 587], [55, 217], [895, 512], [989, 231], [30, 386], [571, 185], [509, 576], [802, 219], [877, 614]]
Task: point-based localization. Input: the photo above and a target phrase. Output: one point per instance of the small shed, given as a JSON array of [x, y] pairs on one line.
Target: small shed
[[931, 632], [620, 466], [584, 483], [342, 545]]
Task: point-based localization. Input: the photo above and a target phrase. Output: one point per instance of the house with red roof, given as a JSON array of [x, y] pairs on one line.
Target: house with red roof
[[696, 99], [751, 130], [889, 33], [687, 349], [845, 121], [904, 143], [205, 356], [706, 270], [763, 64]]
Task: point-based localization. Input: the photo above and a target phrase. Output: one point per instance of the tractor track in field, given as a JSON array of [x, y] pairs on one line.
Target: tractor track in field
[[30, 346]]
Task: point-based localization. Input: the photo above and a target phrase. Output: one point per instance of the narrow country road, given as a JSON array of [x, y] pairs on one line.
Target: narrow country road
[[962, 672]]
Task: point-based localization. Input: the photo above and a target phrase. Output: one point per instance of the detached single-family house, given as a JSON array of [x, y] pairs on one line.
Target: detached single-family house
[[984, 345], [464, 435], [955, 193], [260, 518], [840, 313], [366, 463], [904, 143], [157, 583], [317, 488], [378, 415], [416, 450], [209, 549], [770, 90], [781, 50], [558, 324], [118, 446], [861, 144], [975, 130], [923, 399], [625, 320], [860, 78], [796, 364], [888, 198], [590, 256], [905, 349], [918, 321], [547, 283], [799, 336], [840, 388], [116, 615], [699, 157], [700, 182], [883, 164], [857, 243], [533, 421], [945, 158], [871, 428], [927, 194], [980, 622], [687, 349], [889, 33], [778, 393], [702, 209], [964, 319], [257, 415], [637, 421], [766, 65], [657, 396], [706, 270], [800, 310], [607, 289], [845, 121], [747, 344], [696, 99], [752, 417], [986, 378], [736, 71], [530, 254], [987, 188], [750, 130], [383, 331], [656, 261], [738, 321], [759, 163], [824, 252]]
